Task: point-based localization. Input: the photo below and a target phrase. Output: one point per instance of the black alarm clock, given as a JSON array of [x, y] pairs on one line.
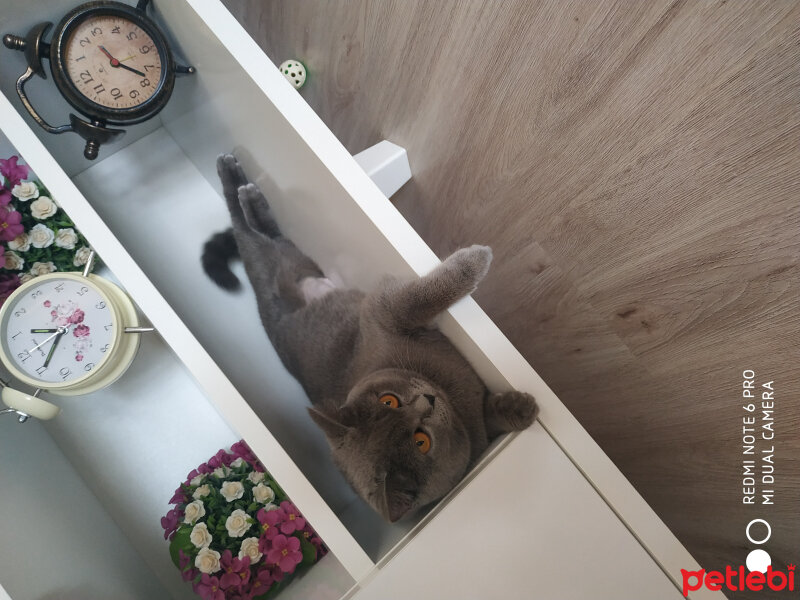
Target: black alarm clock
[[110, 61]]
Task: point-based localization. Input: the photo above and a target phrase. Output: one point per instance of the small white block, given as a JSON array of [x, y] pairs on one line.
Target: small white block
[[387, 165]]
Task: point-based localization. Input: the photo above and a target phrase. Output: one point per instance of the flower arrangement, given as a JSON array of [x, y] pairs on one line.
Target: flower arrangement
[[233, 532], [36, 235]]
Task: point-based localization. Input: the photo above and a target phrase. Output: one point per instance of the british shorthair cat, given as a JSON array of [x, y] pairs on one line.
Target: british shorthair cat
[[404, 413]]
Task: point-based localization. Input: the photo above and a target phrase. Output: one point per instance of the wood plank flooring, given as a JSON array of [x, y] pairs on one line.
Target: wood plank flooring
[[636, 168]]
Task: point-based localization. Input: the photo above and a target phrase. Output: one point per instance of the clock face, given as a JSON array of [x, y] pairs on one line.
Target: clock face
[[113, 62], [58, 331]]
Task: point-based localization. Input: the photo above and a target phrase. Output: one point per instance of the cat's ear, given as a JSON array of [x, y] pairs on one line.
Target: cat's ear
[[333, 429], [400, 494]]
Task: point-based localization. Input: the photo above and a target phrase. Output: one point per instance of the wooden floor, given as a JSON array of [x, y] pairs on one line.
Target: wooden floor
[[636, 168]]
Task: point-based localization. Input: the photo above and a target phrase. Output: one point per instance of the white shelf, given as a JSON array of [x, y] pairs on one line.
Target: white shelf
[[217, 388]]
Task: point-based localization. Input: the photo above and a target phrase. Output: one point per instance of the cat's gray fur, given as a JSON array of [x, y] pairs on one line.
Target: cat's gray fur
[[348, 348]]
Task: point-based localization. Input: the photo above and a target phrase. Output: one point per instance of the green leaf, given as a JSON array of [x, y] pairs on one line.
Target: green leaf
[[308, 549], [181, 541]]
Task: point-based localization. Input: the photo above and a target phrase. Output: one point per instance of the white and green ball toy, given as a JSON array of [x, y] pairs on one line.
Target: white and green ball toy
[[294, 71]]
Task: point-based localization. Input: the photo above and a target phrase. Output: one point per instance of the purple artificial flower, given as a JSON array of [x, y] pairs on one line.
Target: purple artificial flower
[[237, 570], [5, 197], [209, 588], [294, 521], [185, 565], [270, 520], [8, 283], [13, 172], [260, 583], [170, 522], [180, 496], [10, 224], [241, 450], [285, 553]]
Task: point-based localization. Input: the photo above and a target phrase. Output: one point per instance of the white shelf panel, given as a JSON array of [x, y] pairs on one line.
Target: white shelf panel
[[56, 538]]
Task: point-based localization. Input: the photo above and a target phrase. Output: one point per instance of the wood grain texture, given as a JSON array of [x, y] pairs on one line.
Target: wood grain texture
[[636, 168]]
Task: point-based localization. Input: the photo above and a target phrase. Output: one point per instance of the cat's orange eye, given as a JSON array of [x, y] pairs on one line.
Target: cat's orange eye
[[390, 400], [422, 441]]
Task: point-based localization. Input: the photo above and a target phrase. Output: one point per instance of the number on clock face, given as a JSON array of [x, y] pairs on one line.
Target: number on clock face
[[113, 62], [59, 331]]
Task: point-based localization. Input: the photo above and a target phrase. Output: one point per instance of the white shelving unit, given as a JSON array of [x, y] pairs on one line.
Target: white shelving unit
[[147, 206]]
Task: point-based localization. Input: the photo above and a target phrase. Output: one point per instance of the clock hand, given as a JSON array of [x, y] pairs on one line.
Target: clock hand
[[59, 335], [114, 61], [58, 331], [43, 330], [119, 64]]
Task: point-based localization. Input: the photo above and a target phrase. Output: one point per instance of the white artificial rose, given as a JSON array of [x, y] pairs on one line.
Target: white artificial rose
[[194, 510], [66, 238], [249, 548], [25, 277], [40, 268], [41, 236], [81, 256], [43, 208], [198, 479], [207, 561], [256, 476], [232, 490], [263, 494], [21, 243], [14, 261], [237, 523], [200, 536], [201, 492], [222, 471], [25, 191], [238, 462]]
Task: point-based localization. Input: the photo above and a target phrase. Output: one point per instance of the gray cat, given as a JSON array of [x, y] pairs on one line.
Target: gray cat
[[404, 413]]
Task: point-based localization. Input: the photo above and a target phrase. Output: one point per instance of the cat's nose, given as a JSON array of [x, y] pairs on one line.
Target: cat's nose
[[430, 398]]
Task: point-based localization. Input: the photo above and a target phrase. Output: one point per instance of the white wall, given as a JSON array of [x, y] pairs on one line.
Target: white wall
[[56, 540]]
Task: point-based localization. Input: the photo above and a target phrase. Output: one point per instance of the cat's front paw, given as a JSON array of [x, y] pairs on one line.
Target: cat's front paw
[[510, 411], [471, 264]]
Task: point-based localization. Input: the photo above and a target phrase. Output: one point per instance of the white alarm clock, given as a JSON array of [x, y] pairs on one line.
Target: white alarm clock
[[67, 334]]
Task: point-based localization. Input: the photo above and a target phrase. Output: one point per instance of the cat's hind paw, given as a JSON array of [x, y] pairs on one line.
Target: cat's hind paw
[[509, 411], [256, 211], [230, 172]]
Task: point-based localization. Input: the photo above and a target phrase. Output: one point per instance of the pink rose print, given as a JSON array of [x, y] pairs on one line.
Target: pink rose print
[[79, 357], [77, 316], [47, 304], [81, 331]]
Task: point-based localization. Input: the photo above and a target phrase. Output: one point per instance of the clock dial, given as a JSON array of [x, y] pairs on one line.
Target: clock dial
[[59, 331], [113, 62]]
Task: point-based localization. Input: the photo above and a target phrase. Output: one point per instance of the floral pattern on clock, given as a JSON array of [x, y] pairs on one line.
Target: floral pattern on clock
[[59, 330], [70, 313]]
